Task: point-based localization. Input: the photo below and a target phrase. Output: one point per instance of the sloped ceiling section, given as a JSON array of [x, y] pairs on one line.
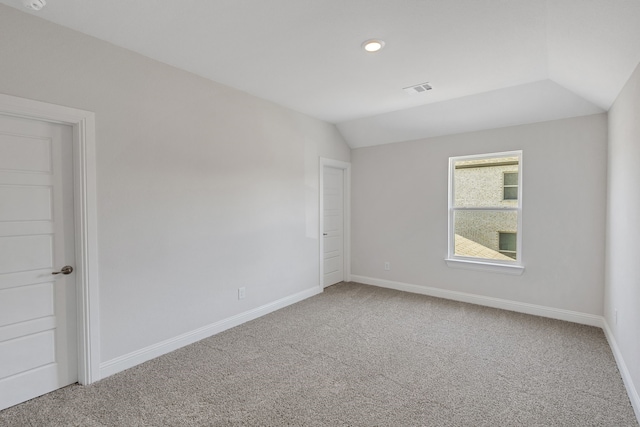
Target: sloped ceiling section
[[528, 103], [486, 59]]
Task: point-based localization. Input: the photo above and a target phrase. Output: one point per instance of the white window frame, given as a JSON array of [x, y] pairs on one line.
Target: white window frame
[[499, 266]]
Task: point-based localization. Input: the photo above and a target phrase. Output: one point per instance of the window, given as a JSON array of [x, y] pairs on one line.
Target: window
[[485, 211], [507, 244], [510, 186]]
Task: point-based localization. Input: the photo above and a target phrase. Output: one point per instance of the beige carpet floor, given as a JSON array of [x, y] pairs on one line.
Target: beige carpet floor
[[359, 355]]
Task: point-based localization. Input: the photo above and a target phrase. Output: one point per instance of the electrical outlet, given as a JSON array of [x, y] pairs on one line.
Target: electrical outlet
[[387, 265], [242, 292]]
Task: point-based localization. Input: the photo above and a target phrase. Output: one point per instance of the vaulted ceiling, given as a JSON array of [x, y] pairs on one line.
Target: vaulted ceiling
[[491, 63]]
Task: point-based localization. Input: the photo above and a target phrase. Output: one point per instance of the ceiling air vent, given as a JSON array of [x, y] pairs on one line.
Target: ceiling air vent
[[421, 88]]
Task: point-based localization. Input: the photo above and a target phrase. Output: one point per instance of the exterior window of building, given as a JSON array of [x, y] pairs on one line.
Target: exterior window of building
[[485, 209], [510, 186], [507, 243]]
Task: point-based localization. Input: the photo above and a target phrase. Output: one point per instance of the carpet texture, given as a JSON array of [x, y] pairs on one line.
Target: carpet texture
[[359, 355]]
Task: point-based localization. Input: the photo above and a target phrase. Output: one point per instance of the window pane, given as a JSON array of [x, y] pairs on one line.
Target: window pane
[[508, 242], [511, 193], [480, 182], [477, 233], [510, 178]]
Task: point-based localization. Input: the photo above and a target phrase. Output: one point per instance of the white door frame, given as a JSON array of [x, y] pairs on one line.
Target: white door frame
[[346, 167], [85, 210]]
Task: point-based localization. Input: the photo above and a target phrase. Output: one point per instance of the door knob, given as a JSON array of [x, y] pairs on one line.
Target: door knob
[[324, 234], [67, 269]]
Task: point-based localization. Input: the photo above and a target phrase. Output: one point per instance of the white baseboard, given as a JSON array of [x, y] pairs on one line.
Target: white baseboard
[[137, 357], [632, 391], [520, 307]]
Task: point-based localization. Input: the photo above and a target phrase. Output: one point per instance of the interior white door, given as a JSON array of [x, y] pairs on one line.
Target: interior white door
[[333, 220], [38, 350]]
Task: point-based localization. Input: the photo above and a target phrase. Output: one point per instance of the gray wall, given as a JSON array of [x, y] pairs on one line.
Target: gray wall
[[622, 292], [400, 213], [201, 188]]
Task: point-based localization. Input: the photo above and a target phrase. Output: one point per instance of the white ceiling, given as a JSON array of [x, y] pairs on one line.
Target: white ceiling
[[492, 63]]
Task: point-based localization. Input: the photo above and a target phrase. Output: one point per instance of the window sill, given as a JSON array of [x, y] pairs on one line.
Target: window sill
[[515, 270]]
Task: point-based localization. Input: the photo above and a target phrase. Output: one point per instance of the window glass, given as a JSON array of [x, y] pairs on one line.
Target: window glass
[[477, 235], [508, 244], [510, 186], [511, 193], [480, 182], [510, 178]]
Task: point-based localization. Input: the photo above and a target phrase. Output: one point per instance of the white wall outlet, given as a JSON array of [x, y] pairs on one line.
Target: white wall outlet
[[387, 265], [242, 292]]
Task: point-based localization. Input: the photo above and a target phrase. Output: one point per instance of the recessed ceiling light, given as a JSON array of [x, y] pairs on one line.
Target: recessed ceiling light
[[34, 4], [373, 45]]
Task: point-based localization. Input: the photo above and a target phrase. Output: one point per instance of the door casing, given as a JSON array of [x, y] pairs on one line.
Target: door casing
[[346, 167], [85, 211]]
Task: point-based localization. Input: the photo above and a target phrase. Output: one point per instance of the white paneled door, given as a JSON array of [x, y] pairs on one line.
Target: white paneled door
[[38, 351], [333, 233]]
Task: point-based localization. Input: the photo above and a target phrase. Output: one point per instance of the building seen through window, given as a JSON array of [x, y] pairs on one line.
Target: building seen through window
[[484, 207]]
